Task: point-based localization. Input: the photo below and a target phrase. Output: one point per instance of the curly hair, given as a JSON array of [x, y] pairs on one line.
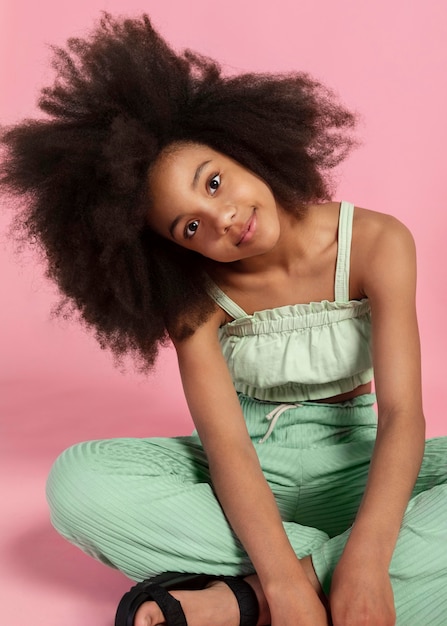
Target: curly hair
[[120, 97]]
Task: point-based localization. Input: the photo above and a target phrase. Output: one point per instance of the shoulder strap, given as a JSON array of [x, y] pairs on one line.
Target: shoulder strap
[[225, 302], [341, 272], [344, 252]]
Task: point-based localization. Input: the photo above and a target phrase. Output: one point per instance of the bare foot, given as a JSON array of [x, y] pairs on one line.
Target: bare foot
[[216, 604]]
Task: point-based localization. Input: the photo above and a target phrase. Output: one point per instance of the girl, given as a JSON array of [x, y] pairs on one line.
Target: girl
[[174, 203]]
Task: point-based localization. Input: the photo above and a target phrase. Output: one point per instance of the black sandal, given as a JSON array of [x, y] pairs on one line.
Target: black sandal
[[157, 589]]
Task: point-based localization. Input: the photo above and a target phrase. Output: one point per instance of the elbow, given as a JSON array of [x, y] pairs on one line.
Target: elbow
[[411, 422]]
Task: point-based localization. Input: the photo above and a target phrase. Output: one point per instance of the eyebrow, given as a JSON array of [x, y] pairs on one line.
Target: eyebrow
[[198, 172], [195, 180]]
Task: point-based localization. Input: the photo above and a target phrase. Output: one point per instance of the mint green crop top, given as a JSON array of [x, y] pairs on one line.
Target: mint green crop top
[[301, 351]]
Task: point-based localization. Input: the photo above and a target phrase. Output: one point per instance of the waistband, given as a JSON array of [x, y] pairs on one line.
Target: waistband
[[310, 424]]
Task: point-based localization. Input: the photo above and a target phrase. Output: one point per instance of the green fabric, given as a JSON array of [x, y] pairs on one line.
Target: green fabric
[[303, 351], [146, 506]]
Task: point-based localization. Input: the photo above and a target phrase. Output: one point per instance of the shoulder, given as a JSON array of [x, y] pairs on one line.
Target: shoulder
[[203, 336], [372, 226], [383, 250]]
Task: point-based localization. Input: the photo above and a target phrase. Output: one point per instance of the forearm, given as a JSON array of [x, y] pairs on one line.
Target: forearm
[[239, 482], [236, 474], [390, 285], [253, 514], [394, 468]]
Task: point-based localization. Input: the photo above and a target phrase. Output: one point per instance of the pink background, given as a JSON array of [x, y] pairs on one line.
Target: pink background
[[387, 60]]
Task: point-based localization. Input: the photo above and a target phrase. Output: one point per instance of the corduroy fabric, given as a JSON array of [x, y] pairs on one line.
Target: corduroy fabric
[[146, 505]]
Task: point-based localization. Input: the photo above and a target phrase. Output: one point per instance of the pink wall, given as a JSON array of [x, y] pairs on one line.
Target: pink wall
[[386, 59]]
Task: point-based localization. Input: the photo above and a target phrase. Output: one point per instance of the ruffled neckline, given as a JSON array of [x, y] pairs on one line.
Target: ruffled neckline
[[297, 310]]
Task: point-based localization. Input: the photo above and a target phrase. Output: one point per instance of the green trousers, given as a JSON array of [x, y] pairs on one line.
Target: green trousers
[[146, 506]]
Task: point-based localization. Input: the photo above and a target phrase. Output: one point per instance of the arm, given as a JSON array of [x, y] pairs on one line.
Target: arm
[[390, 282], [239, 482]]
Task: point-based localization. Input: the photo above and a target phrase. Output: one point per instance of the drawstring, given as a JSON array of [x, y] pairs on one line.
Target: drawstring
[[274, 416]]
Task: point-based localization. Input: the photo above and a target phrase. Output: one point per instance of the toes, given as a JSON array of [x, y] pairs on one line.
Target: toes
[[149, 614]]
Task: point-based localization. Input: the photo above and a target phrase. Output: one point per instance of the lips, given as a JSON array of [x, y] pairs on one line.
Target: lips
[[248, 230]]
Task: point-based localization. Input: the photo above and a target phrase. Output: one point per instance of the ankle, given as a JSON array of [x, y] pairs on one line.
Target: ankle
[[264, 611], [214, 604]]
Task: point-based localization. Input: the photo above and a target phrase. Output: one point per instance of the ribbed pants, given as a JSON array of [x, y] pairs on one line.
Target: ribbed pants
[[146, 506]]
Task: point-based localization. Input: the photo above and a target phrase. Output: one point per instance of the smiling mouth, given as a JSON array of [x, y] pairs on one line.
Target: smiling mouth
[[248, 230]]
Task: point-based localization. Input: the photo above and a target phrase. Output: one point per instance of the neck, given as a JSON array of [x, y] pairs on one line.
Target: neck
[[296, 237]]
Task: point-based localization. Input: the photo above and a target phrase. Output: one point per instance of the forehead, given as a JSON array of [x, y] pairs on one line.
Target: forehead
[[172, 175], [180, 160]]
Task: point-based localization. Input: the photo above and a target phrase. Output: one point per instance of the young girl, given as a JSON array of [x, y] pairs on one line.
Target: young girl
[[175, 203]]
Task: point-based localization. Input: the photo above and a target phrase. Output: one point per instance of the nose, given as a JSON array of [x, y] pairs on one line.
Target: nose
[[224, 217]]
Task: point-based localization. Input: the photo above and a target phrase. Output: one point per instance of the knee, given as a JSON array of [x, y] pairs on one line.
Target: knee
[[67, 489], [76, 498]]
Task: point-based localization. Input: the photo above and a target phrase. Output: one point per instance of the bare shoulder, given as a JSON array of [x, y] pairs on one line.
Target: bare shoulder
[[204, 336], [383, 249], [372, 226], [370, 222]]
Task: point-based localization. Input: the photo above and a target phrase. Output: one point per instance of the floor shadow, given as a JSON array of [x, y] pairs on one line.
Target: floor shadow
[[46, 559]]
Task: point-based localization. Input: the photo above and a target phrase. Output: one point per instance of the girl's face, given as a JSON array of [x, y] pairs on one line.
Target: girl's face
[[206, 202]]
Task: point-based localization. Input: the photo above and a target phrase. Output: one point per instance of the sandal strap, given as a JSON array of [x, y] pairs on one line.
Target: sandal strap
[[156, 589], [145, 592], [246, 599], [171, 608]]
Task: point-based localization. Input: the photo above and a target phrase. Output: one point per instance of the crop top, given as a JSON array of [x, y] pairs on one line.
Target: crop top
[[303, 351]]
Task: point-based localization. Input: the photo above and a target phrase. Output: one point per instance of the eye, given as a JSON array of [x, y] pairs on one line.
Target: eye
[[190, 229], [214, 184]]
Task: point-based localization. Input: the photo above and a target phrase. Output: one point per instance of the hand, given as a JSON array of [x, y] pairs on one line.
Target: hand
[[298, 607], [361, 594]]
